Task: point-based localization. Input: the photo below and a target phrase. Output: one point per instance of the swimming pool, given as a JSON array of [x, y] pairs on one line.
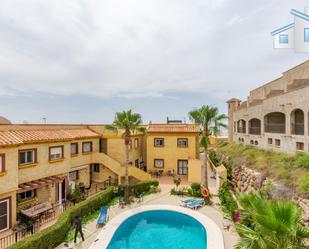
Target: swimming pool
[[162, 229], [160, 226]]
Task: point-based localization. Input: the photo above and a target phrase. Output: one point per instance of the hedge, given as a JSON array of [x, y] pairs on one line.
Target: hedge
[[228, 204], [54, 235], [139, 187]]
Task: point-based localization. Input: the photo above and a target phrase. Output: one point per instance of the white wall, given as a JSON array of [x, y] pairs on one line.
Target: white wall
[[300, 25], [290, 33]]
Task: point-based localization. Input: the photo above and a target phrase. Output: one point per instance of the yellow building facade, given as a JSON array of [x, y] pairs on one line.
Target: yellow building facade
[[44, 163], [170, 147]]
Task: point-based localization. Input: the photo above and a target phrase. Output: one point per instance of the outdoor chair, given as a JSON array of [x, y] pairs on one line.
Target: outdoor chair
[[195, 204], [185, 202], [139, 197], [103, 216], [122, 203]]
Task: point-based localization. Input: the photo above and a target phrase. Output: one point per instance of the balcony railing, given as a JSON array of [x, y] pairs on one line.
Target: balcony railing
[[241, 130], [25, 229], [255, 130], [275, 128], [298, 129]]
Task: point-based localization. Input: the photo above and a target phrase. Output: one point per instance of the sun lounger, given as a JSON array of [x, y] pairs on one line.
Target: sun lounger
[[185, 202], [103, 216], [195, 204]]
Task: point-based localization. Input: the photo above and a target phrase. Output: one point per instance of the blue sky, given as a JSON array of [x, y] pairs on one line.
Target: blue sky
[[81, 61]]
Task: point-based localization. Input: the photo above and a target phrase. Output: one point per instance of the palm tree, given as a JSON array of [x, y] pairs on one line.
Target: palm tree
[[128, 123], [269, 224], [210, 122]]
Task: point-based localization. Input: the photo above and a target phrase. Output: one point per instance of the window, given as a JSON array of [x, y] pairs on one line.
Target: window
[[73, 176], [27, 156], [158, 142], [4, 214], [130, 145], [136, 163], [256, 142], [136, 143], [270, 141], [251, 142], [96, 167], [87, 147], [277, 142], [182, 167], [300, 146], [55, 153], [182, 142], [284, 39], [74, 148], [159, 163], [2, 163], [306, 35], [26, 195]]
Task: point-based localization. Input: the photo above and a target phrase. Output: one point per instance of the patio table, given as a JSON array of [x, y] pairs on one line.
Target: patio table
[[37, 210]]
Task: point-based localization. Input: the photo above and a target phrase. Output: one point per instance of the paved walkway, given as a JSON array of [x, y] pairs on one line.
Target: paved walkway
[[212, 182], [213, 212]]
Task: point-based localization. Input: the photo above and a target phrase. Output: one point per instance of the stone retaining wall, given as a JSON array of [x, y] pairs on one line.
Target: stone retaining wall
[[247, 180]]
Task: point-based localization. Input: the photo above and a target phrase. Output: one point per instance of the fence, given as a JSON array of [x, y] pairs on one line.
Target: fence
[[24, 230]]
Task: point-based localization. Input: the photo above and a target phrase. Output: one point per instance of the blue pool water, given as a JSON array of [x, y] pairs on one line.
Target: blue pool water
[[159, 229]]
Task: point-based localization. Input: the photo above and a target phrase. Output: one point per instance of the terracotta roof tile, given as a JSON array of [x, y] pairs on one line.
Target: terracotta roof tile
[[173, 128], [10, 137]]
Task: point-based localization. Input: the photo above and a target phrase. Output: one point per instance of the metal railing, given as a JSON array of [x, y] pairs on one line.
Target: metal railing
[[241, 129], [24, 230], [255, 130], [275, 128], [298, 129]]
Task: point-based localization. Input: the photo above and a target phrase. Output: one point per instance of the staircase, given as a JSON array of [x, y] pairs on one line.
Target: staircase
[[116, 167]]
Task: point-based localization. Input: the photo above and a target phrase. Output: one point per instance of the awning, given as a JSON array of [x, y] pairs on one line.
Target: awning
[[39, 183]]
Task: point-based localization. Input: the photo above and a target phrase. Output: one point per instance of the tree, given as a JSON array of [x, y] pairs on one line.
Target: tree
[[210, 122], [269, 224], [128, 123]]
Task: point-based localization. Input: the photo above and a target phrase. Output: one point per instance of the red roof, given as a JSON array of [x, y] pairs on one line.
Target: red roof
[[14, 137]]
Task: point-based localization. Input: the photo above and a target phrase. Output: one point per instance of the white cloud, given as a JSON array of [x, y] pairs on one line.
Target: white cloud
[[134, 48]]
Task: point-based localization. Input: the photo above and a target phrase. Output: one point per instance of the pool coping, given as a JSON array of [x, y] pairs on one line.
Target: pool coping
[[214, 234]]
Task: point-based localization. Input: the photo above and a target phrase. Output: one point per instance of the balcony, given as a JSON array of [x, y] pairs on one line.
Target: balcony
[[241, 129], [255, 130]]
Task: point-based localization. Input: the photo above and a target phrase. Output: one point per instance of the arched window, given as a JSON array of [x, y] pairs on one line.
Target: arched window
[[255, 126], [274, 122], [297, 122], [241, 126]]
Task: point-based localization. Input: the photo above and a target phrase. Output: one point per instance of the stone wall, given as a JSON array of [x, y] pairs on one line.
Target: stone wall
[[247, 180]]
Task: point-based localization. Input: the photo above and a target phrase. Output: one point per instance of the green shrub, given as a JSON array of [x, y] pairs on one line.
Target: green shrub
[[304, 184], [195, 190], [140, 187], [228, 203], [213, 158], [303, 160], [196, 186], [55, 234]]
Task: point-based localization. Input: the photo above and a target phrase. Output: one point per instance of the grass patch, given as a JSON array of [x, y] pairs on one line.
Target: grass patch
[[291, 169]]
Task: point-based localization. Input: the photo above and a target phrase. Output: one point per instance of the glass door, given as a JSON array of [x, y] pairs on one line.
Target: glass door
[[182, 167]]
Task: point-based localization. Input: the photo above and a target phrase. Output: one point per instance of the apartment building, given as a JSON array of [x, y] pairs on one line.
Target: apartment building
[[275, 115], [44, 163], [171, 147]]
